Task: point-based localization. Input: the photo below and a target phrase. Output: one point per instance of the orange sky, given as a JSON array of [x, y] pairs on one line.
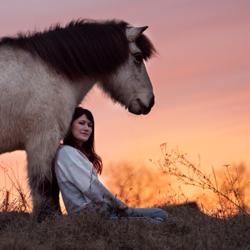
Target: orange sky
[[201, 77]]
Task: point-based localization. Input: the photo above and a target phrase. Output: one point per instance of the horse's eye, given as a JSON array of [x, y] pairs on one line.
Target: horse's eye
[[138, 58]]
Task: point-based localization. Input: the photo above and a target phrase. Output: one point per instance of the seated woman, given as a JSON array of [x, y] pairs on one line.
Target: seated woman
[[76, 168]]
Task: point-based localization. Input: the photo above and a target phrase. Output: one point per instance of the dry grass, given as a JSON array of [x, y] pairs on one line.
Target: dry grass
[[229, 187], [13, 198], [187, 227]]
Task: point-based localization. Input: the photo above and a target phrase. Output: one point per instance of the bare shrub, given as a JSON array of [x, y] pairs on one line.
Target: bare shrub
[[13, 198], [229, 186], [139, 186]]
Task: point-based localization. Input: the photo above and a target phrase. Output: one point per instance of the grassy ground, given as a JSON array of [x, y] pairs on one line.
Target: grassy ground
[[186, 228]]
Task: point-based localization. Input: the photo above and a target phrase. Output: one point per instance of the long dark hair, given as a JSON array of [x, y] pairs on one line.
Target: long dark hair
[[88, 147]]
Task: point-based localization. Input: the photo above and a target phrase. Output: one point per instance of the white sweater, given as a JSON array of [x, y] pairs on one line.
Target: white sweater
[[78, 181]]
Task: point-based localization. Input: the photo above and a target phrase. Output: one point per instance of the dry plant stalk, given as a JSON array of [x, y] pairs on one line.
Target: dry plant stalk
[[138, 186], [13, 198], [231, 190]]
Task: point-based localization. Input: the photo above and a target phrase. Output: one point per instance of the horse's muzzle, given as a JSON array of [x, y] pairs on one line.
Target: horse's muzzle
[[138, 107]]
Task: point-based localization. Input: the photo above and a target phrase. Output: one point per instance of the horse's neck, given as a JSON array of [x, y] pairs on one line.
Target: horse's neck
[[82, 87]]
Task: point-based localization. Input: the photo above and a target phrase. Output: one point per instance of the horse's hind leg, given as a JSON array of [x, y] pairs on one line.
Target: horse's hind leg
[[41, 152]]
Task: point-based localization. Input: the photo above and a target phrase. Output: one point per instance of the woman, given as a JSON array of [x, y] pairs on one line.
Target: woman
[[77, 166]]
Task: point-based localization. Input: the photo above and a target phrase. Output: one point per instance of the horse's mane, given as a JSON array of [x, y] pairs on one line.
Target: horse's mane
[[82, 47]]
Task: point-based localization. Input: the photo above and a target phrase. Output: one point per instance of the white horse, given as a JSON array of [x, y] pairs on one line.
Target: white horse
[[45, 75]]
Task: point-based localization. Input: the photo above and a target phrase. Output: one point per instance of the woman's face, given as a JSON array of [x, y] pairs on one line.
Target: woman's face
[[82, 129]]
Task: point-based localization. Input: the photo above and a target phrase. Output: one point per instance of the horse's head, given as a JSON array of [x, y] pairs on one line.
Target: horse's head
[[111, 53], [130, 84]]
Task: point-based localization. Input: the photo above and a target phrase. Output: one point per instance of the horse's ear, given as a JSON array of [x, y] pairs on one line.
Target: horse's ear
[[133, 33]]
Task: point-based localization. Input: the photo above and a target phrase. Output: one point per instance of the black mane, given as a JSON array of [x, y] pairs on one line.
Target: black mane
[[82, 47]]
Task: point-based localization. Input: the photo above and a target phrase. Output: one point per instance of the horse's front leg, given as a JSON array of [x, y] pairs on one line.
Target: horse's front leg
[[44, 188]]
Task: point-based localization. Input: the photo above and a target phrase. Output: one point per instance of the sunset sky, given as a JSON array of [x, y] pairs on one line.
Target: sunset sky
[[201, 77]]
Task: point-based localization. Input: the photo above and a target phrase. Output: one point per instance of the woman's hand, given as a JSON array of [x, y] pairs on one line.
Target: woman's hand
[[123, 207], [122, 210]]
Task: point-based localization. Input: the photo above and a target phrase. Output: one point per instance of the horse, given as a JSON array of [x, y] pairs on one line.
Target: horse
[[45, 74]]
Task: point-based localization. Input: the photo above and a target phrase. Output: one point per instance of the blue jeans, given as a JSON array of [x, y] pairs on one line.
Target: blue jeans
[[154, 215]]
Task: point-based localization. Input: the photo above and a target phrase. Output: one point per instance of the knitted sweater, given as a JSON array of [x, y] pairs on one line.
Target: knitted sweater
[[78, 181]]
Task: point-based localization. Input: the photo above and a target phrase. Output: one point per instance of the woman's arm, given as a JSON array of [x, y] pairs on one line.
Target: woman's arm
[[98, 192], [73, 167]]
